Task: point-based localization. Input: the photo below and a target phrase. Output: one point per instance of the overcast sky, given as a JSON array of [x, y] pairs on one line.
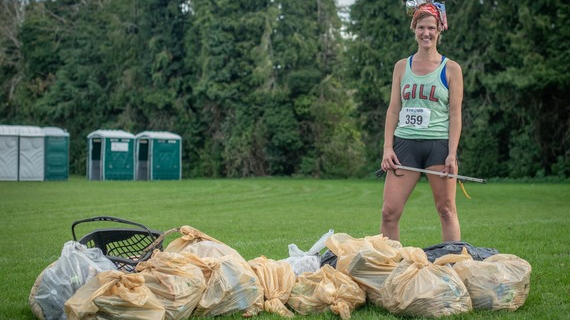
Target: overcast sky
[[345, 2]]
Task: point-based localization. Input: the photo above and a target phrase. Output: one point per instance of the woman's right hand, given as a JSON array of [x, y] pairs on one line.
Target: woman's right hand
[[389, 160]]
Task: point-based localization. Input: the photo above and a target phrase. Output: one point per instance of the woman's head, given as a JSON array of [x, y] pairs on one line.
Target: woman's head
[[425, 18], [424, 11]]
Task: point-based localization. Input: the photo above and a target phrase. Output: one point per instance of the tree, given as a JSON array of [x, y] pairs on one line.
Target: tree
[[379, 36], [12, 13]]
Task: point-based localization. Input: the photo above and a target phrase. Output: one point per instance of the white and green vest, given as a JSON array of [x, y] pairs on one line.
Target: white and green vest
[[425, 105]]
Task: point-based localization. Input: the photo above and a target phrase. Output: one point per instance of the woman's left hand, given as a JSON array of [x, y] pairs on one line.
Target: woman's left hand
[[450, 166]]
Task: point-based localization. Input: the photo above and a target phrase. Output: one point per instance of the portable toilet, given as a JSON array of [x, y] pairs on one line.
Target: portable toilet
[[56, 153], [31, 153], [158, 156], [9, 151], [111, 155], [21, 153]]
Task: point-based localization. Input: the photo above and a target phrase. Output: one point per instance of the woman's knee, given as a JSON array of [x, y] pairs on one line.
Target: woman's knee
[[390, 214], [447, 212]]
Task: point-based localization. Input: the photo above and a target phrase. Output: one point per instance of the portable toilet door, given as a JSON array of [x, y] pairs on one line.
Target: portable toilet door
[[159, 156], [142, 155], [9, 153], [32, 153], [111, 155], [56, 154]]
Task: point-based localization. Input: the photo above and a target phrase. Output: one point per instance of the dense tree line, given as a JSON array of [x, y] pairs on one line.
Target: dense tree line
[[284, 87]]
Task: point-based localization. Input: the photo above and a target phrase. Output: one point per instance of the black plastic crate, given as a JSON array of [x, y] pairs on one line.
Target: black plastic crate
[[126, 247]]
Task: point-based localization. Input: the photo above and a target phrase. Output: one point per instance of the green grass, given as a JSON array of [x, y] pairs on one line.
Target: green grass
[[263, 216]]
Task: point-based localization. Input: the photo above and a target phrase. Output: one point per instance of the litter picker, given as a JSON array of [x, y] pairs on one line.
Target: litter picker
[[380, 172], [459, 178]]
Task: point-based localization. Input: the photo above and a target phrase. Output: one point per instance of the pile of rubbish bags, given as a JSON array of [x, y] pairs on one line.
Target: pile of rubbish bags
[[199, 276]]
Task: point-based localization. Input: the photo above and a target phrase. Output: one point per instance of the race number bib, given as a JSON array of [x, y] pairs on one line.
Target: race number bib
[[414, 117]]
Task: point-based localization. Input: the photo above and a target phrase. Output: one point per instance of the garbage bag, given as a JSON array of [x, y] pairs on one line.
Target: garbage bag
[[455, 247], [419, 288], [326, 290], [114, 295], [232, 286], [175, 281], [368, 261], [61, 279], [329, 258], [277, 279], [196, 242], [501, 281], [307, 261]]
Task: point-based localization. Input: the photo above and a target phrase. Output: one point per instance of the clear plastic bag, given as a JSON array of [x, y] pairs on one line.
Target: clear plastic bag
[[309, 261], [59, 281]]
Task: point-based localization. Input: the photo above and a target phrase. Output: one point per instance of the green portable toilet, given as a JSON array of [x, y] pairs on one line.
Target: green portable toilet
[[9, 151], [56, 163], [158, 156], [111, 155]]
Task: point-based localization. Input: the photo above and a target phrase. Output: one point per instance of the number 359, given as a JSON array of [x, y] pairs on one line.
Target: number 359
[[414, 119]]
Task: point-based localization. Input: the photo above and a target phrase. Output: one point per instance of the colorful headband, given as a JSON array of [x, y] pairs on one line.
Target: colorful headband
[[436, 9]]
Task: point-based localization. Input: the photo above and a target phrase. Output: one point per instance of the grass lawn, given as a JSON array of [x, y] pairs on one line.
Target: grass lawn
[[263, 216]]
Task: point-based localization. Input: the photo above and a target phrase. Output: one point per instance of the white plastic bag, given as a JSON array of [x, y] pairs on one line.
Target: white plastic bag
[[307, 261], [58, 282]]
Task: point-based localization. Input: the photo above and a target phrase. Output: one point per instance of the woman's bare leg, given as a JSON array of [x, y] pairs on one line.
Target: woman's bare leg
[[444, 191], [397, 190]]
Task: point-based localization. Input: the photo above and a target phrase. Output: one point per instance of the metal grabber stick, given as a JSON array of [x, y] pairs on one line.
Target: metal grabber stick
[[380, 172], [459, 178]]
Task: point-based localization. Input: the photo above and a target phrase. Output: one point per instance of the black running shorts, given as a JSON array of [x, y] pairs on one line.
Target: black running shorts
[[421, 153]]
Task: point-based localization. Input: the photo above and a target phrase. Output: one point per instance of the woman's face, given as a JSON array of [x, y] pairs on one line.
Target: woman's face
[[427, 32]]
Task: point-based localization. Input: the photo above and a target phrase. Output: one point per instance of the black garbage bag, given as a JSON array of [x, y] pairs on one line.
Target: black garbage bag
[[454, 247], [329, 258]]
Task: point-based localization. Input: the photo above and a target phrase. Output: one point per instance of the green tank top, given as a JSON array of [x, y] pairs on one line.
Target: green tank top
[[425, 105]]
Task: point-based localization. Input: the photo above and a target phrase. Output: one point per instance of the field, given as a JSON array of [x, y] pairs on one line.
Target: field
[[263, 216]]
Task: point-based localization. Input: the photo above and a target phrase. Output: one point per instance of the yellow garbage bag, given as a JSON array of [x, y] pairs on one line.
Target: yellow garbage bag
[[368, 261], [419, 288], [114, 294], [232, 286], [176, 282], [277, 279], [196, 242], [326, 290], [502, 281]]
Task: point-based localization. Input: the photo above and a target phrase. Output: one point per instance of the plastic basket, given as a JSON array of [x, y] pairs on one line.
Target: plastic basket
[[126, 247]]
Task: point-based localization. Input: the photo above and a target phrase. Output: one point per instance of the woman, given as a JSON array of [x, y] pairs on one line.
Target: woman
[[423, 125]]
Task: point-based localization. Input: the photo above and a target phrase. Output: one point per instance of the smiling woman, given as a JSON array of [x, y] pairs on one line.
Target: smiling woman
[[423, 125]]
